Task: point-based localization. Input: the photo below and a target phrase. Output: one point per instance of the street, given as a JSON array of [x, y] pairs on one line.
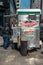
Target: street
[[23, 20], [13, 57]]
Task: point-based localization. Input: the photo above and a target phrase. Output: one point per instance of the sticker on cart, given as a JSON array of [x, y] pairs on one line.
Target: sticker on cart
[[29, 24], [28, 31]]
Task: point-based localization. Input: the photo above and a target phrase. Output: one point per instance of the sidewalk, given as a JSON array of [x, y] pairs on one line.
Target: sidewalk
[[1, 40]]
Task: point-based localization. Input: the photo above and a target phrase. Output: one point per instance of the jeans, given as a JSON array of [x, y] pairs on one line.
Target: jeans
[[6, 40]]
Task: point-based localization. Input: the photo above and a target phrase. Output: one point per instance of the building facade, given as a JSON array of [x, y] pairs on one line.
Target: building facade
[[1, 13], [17, 2], [7, 7], [12, 10], [36, 4], [21, 4], [4, 7], [42, 9]]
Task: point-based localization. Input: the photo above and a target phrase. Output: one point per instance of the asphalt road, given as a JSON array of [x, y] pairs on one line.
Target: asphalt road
[[13, 57]]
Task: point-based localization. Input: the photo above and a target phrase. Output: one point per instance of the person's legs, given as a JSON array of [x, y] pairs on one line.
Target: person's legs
[[6, 41]]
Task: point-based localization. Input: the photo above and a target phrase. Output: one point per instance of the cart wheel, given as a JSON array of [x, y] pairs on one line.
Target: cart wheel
[[23, 48]]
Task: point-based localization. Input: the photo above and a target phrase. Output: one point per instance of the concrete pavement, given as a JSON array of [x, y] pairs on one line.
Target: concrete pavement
[[13, 57]]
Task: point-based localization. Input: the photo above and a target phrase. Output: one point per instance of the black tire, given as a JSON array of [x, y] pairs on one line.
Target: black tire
[[23, 48]]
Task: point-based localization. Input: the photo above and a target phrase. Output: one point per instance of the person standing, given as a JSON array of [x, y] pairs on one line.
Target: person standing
[[6, 36]]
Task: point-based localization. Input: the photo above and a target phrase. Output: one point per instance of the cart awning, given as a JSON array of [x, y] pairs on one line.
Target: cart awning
[[28, 11]]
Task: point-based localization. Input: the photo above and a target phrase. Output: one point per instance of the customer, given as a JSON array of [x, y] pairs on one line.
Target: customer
[[6, 36]]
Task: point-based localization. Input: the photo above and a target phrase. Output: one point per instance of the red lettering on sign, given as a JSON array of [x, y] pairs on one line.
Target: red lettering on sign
[[28, 24], [28, 32]]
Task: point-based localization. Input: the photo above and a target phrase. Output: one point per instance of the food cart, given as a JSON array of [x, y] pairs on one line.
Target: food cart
[[29, 24]]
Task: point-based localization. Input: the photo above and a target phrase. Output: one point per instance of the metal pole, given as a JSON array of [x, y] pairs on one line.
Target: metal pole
[[41, 5], [30, 4]]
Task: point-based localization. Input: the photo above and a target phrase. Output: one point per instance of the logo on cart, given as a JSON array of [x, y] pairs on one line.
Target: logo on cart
[[29, 24], [28, 31]]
